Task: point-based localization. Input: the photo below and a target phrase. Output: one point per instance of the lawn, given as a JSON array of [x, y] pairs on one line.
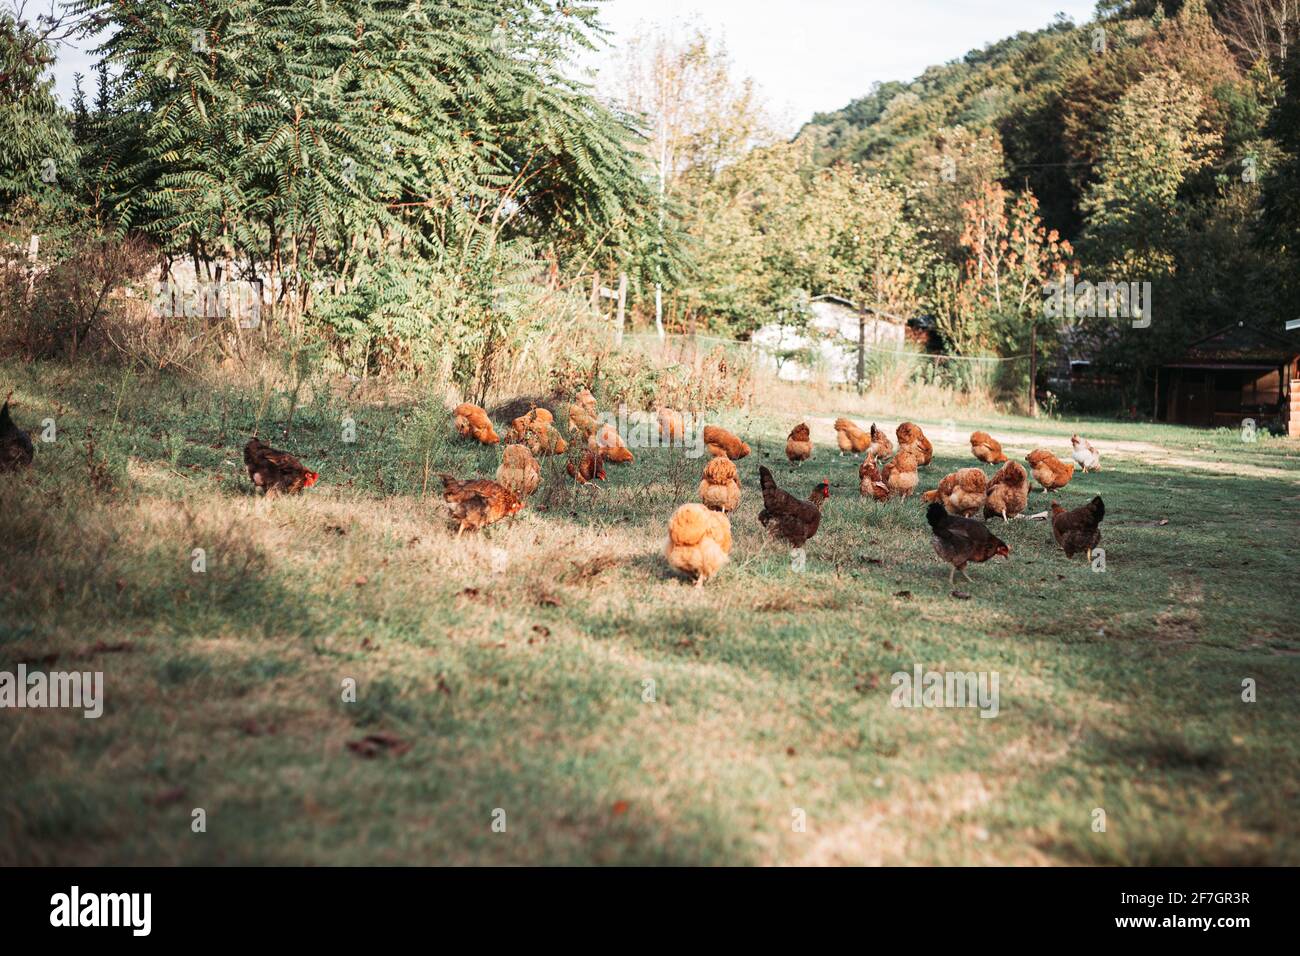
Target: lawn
[[553, 676]]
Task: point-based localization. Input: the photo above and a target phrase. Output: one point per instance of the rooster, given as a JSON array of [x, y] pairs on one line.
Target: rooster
[[1008, 492], [472, 422], [276, 472], [880, 445], [798, 446], [1085, 454], [1078, 530], [962, 540], [699, 541], [850, 437], [720, 486], [720, 442], [15, 444], [986, 448], [1048, 470], [788, 518], [912, 439], [519, 471], [962, 493], [478, 502], [870, 481]]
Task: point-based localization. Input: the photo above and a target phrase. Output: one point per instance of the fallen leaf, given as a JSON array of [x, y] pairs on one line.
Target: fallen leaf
[[620, 807], [372, 745], [961, 595]]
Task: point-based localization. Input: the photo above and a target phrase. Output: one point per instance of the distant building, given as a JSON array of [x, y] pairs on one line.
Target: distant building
[[828, 344], [1235, 374]]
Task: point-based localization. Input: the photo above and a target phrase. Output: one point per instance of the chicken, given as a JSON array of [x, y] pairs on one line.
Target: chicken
[[276, 472], [720, 486], [587, 402], [788, 518], [608, 442], [478, 502], [1085, 454], [719, 442], [962, 540], [1008, 492], [699, 541], [851, 439], [16, 449], [912, 439], [582, 421], [900, 474], [1078, 530], [536, 430], [870, 481], [798, 447], [472, 422], [535, 419], [962, 493], [880, 445], [1048, 470], [519, 471], [672, 426], [986, 448], [590, 468]]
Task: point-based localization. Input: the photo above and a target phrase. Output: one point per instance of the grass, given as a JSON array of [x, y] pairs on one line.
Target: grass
[[516, 664]]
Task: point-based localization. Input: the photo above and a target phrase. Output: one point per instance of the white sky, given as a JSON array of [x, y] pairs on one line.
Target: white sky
[[805, 55]]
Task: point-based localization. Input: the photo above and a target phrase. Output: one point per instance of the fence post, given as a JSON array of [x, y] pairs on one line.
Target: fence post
[[862, 346], [622, 301]]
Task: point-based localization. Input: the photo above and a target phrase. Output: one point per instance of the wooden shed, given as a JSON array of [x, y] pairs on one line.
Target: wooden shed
[[1229, 376]]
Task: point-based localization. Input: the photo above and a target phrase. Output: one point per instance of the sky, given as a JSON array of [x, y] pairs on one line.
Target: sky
[[805, 55]]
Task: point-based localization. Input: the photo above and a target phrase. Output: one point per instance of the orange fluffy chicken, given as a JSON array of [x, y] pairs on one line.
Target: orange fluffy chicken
[[672, 426], [912, 439], [472, 422], [519, 471], [851, 439], [582, 420], [961, 493], [537, 418], [610, 445], [1048, 470], [699, 541], [900, 474], [1008, 492], [986, 448], [880, 445], [870, 480], [721, 442], [720, 486], [798, 445]]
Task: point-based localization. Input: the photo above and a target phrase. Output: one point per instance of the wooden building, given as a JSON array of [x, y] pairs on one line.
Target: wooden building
[[1235, 374]]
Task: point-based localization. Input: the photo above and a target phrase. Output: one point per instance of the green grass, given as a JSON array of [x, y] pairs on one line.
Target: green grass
[[522, 688]]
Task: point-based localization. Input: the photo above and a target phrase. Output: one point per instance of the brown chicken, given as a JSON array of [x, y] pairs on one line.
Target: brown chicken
[[478, 502], [720, 486], [900, 474], [787, 518], [871, 481], [719, 442], [672, 426], [1008, 492], [537, 432], [912, 439], [519, 471], [16, 449], [798, 446], [582, 421], [880, 445], [276, 472], [962, 493], [610, 444], [961, 540], [986, 448], [590, 468], [535, 419], [699, 541], [851, 439], [1048, 470], [1078, 530], [472, 422]]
